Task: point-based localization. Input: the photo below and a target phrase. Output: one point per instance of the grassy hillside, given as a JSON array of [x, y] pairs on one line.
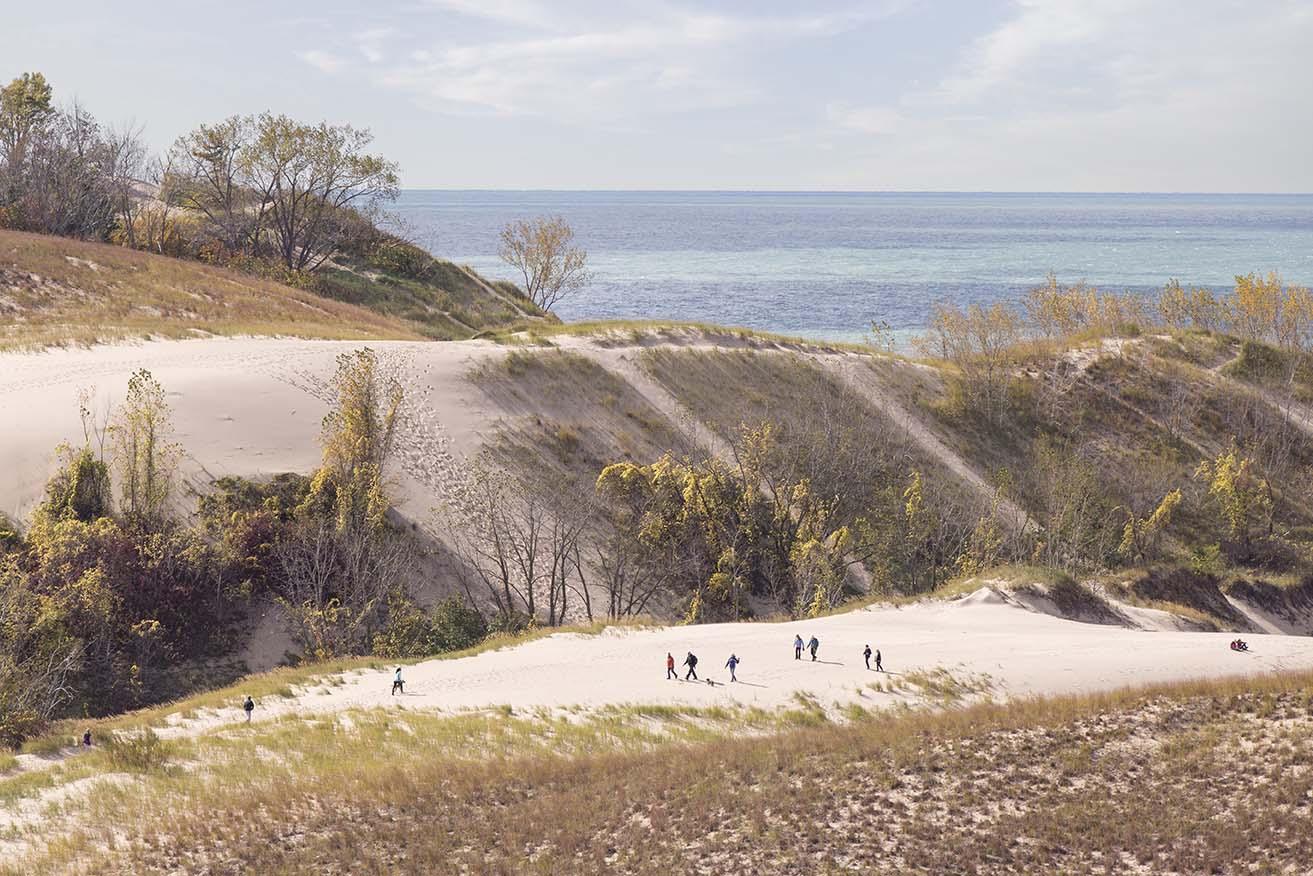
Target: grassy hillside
[[1120, 782], [56, 290], [443, 300]]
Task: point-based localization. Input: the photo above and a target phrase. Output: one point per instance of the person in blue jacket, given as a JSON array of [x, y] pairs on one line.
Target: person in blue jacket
[[732, 663]]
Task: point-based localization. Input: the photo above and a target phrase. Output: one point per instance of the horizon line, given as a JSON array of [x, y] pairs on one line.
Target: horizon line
[[770, 191]]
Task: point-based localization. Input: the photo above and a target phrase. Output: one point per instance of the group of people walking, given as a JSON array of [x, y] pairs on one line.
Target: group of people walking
[[732, 664], [691, 661]]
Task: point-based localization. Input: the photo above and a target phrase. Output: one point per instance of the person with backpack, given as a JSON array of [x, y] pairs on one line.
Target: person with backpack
[[397, 683], [732, 663], [691, 661], [879, 665], [248, 707], [670, 667], [797, 647], [813, 645], [867, 655]]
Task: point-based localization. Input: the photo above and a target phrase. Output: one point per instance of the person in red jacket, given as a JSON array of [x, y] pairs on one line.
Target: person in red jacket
[[670, 667]]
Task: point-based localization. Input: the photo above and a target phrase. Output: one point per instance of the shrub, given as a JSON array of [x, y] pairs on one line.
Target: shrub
[[142, 751], [452, 625]]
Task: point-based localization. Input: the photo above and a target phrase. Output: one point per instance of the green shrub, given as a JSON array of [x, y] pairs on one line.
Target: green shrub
[[452, 625]]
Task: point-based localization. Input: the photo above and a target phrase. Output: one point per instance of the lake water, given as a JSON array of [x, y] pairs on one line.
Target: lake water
[[825, 265]]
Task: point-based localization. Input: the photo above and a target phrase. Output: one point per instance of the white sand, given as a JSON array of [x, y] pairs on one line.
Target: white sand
[[1022, 652], [245, 406]]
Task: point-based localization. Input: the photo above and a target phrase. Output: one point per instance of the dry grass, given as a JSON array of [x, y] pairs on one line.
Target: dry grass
[[55, 291], [647, 332], [1186, 778], [570, 416]]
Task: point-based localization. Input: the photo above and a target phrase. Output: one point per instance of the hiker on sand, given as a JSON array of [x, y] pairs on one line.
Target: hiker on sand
[[797, 647], [691, 661], [879, 667], [867, 655], [397, 683], [812, 646], [670, 667], [248, 707], [732, 663]]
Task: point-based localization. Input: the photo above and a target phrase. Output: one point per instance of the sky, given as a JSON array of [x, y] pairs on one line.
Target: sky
[[953, 95]]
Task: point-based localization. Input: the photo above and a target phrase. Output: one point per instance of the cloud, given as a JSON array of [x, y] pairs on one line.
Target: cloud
[[667, 61], [1040, 28], [517, 12], [324, 62], [1142, 95], [617, 59], [370, 43]]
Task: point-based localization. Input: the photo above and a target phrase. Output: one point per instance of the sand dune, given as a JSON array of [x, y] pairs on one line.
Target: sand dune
[[241, 406], [986, 643]]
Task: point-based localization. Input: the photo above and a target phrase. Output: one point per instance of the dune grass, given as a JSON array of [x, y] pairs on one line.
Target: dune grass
[[56, 291], [638, 332], [1188, 777]]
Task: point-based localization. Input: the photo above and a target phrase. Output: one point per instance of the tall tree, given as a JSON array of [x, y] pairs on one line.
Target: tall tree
[[309, 177], [24, 107]]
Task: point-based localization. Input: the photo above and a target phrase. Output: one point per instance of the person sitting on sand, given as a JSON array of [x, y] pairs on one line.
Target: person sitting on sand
[[732, 663], [670, 667], [397, 683], [691, 661], [797, 647]]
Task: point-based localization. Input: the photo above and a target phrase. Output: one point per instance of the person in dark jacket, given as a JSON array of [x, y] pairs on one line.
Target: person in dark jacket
[[691, 661], [248, 707], [879, 664], [813, 645], [867, 655]]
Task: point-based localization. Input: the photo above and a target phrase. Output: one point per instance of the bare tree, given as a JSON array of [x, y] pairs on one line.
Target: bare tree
[[542, 251], [337, 581], [126, 166], [523, 544]]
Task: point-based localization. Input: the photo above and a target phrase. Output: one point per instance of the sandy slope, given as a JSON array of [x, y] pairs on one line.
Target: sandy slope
[[241, 406], [1020, 651]]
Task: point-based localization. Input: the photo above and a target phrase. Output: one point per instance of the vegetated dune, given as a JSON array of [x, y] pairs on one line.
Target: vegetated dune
[[253, 407], [56, 291]]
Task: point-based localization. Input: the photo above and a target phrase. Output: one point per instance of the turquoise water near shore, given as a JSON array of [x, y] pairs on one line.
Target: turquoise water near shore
[[824, 265]]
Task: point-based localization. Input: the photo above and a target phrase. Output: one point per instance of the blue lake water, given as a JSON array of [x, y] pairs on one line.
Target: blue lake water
[[825, 265]]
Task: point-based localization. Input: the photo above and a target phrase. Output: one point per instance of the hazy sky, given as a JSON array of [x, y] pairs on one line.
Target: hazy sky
[[1033, 95]]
